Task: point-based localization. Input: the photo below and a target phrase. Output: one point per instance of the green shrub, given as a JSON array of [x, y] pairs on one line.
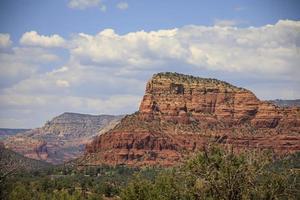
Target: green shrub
[[219, 174]]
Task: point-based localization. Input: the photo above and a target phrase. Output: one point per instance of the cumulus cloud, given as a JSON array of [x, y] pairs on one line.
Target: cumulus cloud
[[122, 5], [5, 40], [271, 49], [21, 63], [32, 38], [80, 81], [107, 72], [137, 50]]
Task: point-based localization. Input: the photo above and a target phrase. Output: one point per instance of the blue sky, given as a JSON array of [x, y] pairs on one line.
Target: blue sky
[[95, 56], [55, 16]]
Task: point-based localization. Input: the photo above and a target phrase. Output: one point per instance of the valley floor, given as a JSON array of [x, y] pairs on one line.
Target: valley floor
[[212, 174]]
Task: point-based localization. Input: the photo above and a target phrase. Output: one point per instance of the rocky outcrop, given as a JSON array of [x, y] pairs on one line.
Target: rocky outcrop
[[77, 125], [61, 139], [181, 114], [178, 97], [183, 98]]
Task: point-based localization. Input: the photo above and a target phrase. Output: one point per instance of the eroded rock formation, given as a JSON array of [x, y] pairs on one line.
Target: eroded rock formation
[[61, 139], [180, 114]]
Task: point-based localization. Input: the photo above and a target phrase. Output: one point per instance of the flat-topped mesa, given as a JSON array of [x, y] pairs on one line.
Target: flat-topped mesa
[[181, 114], [183, 98], [76, 124], [61, 139]]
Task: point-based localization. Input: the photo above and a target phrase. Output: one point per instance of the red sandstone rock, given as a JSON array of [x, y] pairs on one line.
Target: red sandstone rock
[[180, 114]]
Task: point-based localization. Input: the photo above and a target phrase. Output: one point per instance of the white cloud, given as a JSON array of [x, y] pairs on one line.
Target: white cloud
[[76, 103], [271, 49], [137, 50], [79, 80], [107, 72], [32, 38], [122, 5], [5, 40], [33, 111], [21, 63]]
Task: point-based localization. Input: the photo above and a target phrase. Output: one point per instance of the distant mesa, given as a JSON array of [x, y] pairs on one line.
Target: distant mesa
[[286, 103], [180, 114], [61, 139]]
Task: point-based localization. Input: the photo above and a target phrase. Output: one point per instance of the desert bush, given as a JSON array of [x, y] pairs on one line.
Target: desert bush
[[219, 174]]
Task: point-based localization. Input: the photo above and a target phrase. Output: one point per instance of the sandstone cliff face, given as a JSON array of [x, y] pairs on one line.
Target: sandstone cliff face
[[179, 97], [180, 114], [61, 139], [183, 98]]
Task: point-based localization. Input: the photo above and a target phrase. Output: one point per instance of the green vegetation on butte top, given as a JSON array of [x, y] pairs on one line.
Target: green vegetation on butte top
[[177, 77]]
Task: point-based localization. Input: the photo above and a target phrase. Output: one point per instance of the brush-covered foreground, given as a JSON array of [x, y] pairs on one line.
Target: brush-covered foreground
[[212, 174]]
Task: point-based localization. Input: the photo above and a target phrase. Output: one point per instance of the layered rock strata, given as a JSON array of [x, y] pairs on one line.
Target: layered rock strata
[[181, 114], [61, 139]]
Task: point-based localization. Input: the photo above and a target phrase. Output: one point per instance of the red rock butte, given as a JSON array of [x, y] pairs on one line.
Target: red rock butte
[[181, 114]]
